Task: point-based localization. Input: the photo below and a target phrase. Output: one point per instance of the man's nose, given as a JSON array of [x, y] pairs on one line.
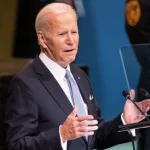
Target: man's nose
[[70, 39]]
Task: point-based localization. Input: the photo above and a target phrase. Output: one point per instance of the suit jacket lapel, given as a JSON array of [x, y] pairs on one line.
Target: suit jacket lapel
[[52, 86], [58, 94]]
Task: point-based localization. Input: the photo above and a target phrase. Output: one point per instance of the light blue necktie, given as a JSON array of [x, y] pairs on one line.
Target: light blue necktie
[[75, 94]]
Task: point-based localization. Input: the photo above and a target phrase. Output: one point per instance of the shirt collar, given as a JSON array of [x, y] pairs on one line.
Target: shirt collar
[[57, 71]]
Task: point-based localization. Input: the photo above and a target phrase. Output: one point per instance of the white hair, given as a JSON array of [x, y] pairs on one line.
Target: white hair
[[46, 12]]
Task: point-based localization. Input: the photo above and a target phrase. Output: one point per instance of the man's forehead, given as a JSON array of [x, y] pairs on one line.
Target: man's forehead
[[62, 20]]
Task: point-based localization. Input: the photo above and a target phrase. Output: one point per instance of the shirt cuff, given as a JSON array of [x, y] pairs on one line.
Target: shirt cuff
[[63, 144], [132, 130]]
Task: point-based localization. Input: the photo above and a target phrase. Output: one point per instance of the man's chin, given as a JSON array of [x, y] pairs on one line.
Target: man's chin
[[71, 60]]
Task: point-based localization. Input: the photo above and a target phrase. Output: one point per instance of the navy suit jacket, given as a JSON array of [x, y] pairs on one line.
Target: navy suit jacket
[[37, 106]]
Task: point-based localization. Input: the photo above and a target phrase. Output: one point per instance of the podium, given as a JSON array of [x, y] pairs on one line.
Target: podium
[[139, 125]]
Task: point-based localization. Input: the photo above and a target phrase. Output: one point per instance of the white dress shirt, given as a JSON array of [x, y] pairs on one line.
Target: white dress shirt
[[59, 74]]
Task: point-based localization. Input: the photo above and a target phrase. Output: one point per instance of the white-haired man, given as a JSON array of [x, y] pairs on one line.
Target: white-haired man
[[51, 104]]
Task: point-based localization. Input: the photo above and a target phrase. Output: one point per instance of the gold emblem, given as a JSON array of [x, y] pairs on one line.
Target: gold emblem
[[133, 12]]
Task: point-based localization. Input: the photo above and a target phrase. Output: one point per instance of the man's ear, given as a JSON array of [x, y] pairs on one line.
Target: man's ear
[[41, 39]]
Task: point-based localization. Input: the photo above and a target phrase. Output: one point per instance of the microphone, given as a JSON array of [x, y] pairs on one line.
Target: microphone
[[127, 96], [144, 93]]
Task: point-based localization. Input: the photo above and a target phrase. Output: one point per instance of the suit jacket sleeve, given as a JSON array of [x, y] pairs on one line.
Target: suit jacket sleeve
[[107, 134], [22, 121]]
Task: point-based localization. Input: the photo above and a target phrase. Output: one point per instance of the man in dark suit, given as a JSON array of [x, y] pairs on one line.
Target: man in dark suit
[[43, 110]]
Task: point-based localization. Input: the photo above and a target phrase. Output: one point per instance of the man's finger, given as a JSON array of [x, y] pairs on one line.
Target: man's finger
[[145, 103], [132, 94], [146, 109], [88, 128], [82, 118], [88, 123], [85, 133]]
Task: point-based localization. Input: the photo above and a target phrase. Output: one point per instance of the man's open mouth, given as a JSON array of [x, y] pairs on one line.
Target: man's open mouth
[[68, 50]]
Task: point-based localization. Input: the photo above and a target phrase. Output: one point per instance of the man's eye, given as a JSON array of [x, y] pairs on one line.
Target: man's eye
[[62, 33], [74, 32]]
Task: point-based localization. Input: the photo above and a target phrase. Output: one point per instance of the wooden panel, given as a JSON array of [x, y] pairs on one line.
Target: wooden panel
[[7, 23]]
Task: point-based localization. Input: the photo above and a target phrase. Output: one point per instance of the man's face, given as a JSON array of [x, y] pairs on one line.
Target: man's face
[[61, 38]]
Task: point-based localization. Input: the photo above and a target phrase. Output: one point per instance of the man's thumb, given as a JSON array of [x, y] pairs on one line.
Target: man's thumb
[[74, 112]]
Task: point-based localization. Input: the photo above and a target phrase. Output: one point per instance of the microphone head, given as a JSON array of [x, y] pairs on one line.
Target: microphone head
[[143, 92], [126, 94]]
